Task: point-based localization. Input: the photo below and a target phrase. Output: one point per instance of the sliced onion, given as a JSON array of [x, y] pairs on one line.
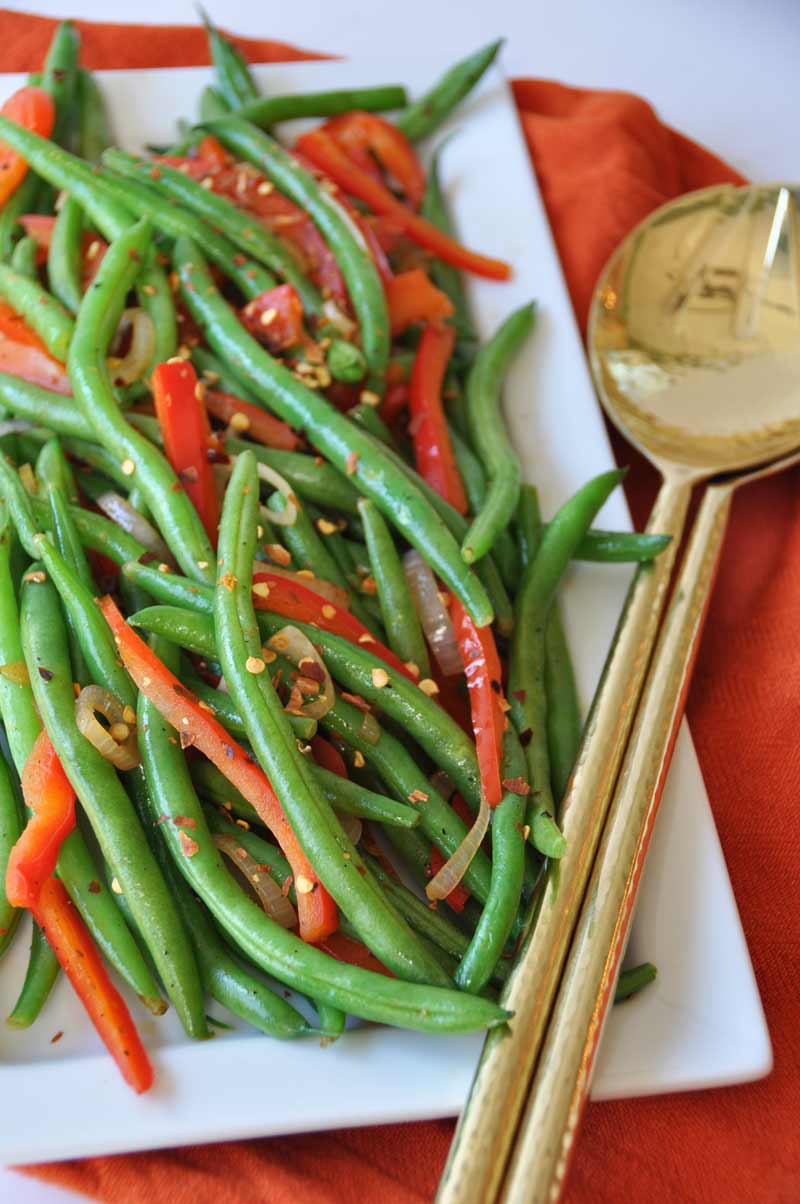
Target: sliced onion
[[125, 370], [121, 512], [16, 672], [279, 518], [370, 729], [325, 589], [123, 754], [456, 866], [351, 825], [297, 647], [270, 895], [433, 614]]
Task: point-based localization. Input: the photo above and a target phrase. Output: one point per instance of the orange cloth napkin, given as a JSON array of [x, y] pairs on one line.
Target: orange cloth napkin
[[603, 160]]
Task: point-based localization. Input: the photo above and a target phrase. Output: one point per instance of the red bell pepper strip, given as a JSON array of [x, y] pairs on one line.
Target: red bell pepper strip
[[328, 756], [187, 436], [395, 400], [487, 704], [261, 426], [77, 955], [366, 137], [50, 797], [433, 450], [412, 297], [320, 148], [32, 108], [23, 354], [316, 909], [39, 227], [275, 318], [353, 953], [294, 600]]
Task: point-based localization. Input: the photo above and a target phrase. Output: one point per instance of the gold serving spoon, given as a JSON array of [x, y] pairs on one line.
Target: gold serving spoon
[[695, 347]]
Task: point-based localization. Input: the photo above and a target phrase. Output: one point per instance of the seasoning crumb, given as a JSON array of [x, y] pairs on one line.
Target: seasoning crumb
[[370, 398], [239, 421], [516, 786], [94, 887], [229, 581], [326, 526], [351, 463], [184, 821], [303, 885], [115, 886], [412, 667], [261, 589], [366, 638], [127, 467], [368, 585], [358, 759], [428, 686], [45, 674], [36, 576], [254, 664], [57, 1036], [418, 796], [189, 845], [380, 678], [328, 611], [278, 554]]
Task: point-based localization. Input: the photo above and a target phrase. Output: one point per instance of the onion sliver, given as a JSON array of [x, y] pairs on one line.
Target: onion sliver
[[456, 866], [433, 614], [121, 512], [123, 753], [297, 648], [134, 363], [270, 895]]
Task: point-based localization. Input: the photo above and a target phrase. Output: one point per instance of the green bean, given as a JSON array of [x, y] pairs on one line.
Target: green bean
[[334, 224], [397, 608], [325, 844], [345, 361], [249, 276], [16, 703], [432, 924], [488, 435], [245, 231], [94, 134], [268, 110], [351, 450], [212, 104], [219, 375], [23, 258], [10, 830], [42, 312], [305, 544], [54, 473], [225, 977], [29, 401], [368, 417], [155, 298], [620, 547], [504, 550], [526, 672], [107, 806], [335, 549], [64, 258], [233, 74], [401, 699], [564, 721], [177, 518], [315, 482], [59, 76], [304, 727], [97, 533], [40, 978], [508, 869], [444, 275], [271, 947], [630, 982], [22, 200], [434, 106]]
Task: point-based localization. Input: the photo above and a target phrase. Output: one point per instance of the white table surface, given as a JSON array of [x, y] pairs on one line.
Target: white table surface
[[724, 72]]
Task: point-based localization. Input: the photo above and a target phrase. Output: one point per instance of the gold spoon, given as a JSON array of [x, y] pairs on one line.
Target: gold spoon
[[695, 347]]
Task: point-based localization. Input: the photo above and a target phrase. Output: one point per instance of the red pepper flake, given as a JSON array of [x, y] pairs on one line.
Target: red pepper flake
[[278, 554], [229, 581], [94, 887], [187, 739], [184, 821], [56, 1037], [356, 701], [310, 668], [368, 585], [189, 846], [45, 674], [287, 885], [516, 786], [519, 695], [162, 819], [418, 796], [352, 461]]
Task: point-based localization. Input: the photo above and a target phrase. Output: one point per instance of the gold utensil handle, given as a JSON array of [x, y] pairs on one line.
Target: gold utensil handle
[[561, 1083], [487, 1126]]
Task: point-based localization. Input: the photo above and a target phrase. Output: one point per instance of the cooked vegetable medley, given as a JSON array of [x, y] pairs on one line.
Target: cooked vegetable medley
[[277, 615]]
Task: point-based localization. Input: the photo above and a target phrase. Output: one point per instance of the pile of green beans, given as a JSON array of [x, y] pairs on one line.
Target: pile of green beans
[[382, 752]]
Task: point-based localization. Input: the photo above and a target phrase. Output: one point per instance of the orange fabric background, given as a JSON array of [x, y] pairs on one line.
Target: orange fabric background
[[603, 161]]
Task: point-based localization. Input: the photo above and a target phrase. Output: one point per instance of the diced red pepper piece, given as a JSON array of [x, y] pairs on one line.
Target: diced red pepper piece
[[457, 899], [275, 318], [328, 756], [316, 909], [263, 427], [353, 953], [433, 450], [366, 137], [320, 148], [412, 297], [34, 110], [187, 436], [50, 797], [294, 600], [487, 704], [78, 957]]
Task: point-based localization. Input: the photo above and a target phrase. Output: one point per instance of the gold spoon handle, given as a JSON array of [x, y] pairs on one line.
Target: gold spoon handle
[[486, 1129], [561, 1084]]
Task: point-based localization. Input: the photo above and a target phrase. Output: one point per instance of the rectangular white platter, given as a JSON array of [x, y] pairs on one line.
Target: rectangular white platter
[[701, 1024]]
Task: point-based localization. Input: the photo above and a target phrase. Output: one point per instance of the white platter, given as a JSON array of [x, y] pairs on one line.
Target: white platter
[[701, 1024]]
